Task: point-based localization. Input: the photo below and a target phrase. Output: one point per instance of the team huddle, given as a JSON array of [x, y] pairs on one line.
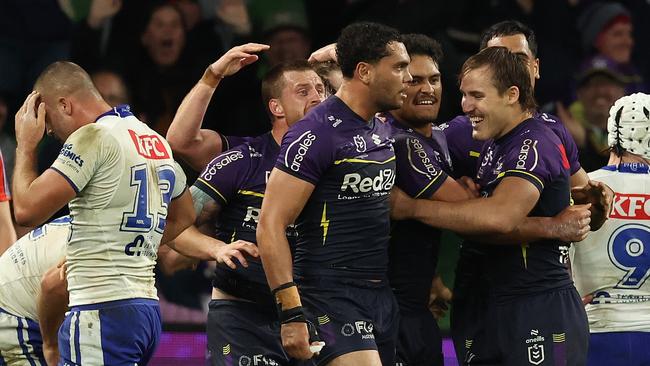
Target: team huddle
[[326, 230]]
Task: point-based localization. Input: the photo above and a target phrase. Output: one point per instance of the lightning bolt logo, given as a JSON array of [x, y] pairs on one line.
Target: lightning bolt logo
[[324, 222], [524, 254]]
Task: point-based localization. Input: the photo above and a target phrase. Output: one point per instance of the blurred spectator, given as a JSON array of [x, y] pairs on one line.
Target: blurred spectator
[[33, 34], [606, 31], [111, 86], [287, 32], [600, 84]]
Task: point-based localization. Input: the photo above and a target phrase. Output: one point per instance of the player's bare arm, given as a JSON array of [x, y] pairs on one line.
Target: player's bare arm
[[600, 196], [189, 141], [7, 232], [52, 305], [277, 213], [36, 198]]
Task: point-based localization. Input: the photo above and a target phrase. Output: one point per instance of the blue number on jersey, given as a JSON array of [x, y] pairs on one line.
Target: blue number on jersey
[[627, 251], [166, 182], [140, 219]]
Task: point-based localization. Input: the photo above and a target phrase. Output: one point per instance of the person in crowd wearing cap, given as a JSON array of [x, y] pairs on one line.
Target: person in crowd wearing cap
[[611, 267], [606, 32], [600, 83]]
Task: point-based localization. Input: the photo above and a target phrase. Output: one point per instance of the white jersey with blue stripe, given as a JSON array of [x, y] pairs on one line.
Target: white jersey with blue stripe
[[22, 267], [125, 177], [613, 263]]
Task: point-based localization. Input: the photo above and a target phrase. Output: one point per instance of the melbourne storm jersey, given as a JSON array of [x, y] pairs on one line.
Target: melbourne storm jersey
[[125, 177], [612, 263], [25, 262], [422, 165], [465, 150], [533, 152], [344, 227], [236, 180]]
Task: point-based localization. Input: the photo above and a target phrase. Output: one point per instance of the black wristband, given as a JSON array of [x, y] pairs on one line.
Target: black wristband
[[293, 315], [282, 287]]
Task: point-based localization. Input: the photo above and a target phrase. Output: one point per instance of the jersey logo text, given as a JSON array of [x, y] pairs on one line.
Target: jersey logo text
[[149, 146]]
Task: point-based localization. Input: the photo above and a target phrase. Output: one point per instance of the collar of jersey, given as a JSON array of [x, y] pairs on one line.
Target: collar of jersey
[[122, 110], [515, 130], [352, 114], [633, 168]]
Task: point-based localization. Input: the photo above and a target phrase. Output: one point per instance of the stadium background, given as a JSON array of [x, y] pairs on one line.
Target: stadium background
[[159, 61]]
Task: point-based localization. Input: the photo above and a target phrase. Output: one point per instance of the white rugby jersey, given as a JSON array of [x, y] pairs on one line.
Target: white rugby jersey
[[22, 266], [125, 177], [613, 263]]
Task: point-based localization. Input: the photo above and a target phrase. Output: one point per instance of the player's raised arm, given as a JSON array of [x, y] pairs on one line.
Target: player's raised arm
[[189, 141], [277, 213]]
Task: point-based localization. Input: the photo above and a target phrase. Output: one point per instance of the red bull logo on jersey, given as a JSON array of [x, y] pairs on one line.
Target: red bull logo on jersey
[[149, 146], [631, 206]]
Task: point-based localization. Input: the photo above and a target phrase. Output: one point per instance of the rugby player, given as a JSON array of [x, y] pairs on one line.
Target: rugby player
[[470, 287], [242, 319], [195, 145], [524, 171], [338, 167], [126, 196], [611, 267]]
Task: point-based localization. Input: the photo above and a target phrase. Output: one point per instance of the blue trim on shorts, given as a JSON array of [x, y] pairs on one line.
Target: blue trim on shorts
[[2, 360], [116, 303], [21, 341], [77, 344]]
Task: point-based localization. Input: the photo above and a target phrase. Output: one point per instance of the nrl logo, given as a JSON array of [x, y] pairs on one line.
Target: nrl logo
[[360, 143], [536, 354]]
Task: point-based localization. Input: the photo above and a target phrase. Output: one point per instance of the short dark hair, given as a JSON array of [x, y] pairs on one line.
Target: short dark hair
[[273, 81], [510, 28], [363, 42], [508, 69], [421, 45]]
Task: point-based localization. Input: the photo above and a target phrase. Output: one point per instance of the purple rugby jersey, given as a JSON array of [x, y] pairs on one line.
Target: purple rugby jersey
[[423, 164], [343, 230], [531, 151], [465, 150], [236, 180]]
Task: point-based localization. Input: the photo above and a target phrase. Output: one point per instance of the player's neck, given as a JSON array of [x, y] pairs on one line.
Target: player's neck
[[356, 98], [626, 158], [515, 120], [279, 129]]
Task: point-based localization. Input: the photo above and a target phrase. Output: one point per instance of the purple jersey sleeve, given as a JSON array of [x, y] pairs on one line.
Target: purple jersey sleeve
[[565, 137], [464, 150], [223, 176], [418, 173], [536, 157], [307, 150]]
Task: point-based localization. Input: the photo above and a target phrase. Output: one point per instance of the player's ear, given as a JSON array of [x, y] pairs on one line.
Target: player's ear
[[364, 70], [512, 93], [536, 69], [276, 108], [64, 106]]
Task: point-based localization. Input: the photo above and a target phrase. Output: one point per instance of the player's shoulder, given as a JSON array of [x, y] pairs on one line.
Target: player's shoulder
[[455, 125], [532, 129]]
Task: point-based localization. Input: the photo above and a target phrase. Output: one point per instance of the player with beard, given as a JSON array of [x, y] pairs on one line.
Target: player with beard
[[338, 167], [524, 171], [242, 320], [470, 287]]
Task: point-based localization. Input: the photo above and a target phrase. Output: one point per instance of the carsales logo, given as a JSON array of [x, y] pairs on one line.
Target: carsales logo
[[303, 143], [149, 146], [631, 206]]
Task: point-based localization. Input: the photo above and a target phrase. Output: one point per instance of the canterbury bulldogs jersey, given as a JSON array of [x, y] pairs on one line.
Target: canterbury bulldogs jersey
[[344, 227], [25, 262], [125, 177], [613, 263], [533, 152]]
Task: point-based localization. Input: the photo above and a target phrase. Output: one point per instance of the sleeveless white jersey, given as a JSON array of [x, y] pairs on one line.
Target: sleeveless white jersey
[[22, 266], [613, 263], [125, 176]]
